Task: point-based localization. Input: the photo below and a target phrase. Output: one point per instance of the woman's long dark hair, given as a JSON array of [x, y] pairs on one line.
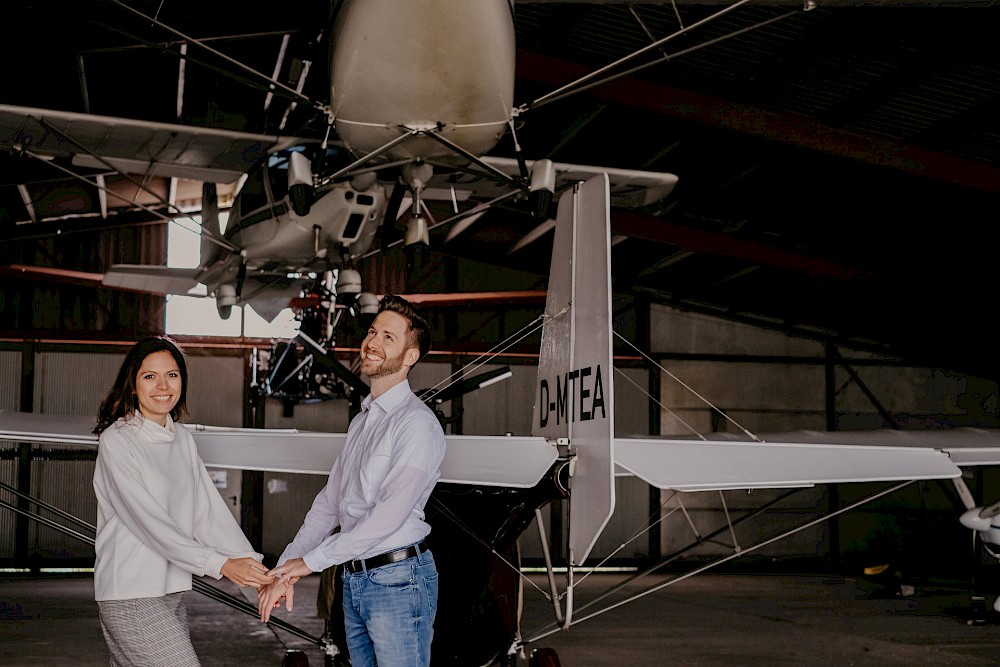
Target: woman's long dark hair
[[121, 401]]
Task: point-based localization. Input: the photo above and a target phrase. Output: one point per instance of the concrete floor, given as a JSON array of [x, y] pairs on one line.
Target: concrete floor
[[711, 619]]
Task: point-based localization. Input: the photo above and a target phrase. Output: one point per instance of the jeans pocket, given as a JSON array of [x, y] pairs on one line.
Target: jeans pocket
[[395, 575], [427, 571], [427, 576]]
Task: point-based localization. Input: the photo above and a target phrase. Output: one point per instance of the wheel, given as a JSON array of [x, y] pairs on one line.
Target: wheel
[[544, 657], [295, 658]]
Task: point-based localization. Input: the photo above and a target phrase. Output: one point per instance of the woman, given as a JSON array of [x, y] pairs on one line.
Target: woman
[[160, 519]]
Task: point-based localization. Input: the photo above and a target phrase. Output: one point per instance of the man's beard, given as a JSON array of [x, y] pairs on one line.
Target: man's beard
[[387, 366]]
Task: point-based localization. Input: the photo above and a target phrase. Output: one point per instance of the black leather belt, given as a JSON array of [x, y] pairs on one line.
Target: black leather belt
[[389, 557]]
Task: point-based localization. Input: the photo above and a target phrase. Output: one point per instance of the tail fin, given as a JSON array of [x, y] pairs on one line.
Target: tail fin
[[575, 391]]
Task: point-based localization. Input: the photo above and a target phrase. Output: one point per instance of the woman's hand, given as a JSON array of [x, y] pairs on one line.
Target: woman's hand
[[269, 596], [283, 587], [246, 572]]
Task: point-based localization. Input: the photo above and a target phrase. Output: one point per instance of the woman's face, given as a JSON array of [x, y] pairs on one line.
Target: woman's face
[[158, 386]]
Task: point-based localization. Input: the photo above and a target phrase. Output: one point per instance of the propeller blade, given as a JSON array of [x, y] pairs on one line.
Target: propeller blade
[[210, 224], [462, 225], [241, 277], [533, 235], [391, 213], [990, 511]]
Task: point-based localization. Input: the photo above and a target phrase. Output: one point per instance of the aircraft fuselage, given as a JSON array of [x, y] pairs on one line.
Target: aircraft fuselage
[[437, 63], [341, 217]]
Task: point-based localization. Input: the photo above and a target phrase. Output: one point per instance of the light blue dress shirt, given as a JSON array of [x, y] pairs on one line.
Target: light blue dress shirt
[[378, 486]]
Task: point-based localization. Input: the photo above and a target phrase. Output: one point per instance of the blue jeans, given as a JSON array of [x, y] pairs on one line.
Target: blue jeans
[[389, 613]]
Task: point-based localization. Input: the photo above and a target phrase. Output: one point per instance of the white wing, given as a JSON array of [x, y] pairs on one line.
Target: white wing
[[803, 459], [133, 146], [689, 465], [482, 460]]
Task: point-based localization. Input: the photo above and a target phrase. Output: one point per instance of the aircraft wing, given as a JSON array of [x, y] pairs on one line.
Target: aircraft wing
[[629, 187], [482, 460], [792, 459], [805, 458], [155, 279], [134, 146], [47, 429], [268, 294]]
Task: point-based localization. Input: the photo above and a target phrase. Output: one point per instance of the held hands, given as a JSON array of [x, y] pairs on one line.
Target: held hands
[[246, 572], [296, 567], [285, 577], [269, 597]]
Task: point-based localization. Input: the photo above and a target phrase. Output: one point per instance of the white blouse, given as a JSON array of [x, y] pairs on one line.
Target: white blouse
[[160, 518]]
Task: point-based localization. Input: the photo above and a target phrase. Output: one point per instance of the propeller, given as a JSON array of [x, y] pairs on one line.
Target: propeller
[[980, 518]]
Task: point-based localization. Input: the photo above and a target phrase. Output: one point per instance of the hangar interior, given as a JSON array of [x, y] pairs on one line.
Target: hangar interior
[[763, 380], [826, 261]]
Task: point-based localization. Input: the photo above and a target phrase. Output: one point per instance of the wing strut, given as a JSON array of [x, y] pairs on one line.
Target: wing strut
[[545, 632], [696, 542], [544, 538]]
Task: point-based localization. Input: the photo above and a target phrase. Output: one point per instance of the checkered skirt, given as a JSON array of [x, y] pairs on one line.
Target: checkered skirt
[[148, 632]]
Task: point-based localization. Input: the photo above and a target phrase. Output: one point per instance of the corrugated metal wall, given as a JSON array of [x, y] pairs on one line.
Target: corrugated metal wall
[[74, 383], [8, 519], [502, 407], [763, 397], [67, 485], [10, 380], [10, 399], [215, 389], [66, 383], [287, 498]]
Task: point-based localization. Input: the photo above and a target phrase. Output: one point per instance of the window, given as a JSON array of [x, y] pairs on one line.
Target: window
[[197, 315]]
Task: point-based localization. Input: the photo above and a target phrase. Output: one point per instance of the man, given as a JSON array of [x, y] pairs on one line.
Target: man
[[370, 514]]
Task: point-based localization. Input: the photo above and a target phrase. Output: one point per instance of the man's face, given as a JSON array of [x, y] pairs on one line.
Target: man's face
[[384, 349]]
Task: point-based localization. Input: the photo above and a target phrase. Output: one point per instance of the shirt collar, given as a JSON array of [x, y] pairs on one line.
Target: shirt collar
[[390, 399], [153, 431]]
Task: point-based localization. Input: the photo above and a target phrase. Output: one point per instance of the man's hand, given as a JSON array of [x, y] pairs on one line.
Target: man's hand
[[269, 596], [285, 577], [296, 567], [246, 572]]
